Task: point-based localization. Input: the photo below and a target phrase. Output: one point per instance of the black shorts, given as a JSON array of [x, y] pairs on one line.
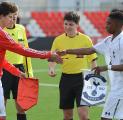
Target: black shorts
[[10, 82], [70, 88]]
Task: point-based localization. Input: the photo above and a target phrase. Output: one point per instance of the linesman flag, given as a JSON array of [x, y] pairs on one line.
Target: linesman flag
[[27, 93]]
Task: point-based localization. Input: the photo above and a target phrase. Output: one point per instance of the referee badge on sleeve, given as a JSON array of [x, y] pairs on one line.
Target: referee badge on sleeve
[[94, 90]]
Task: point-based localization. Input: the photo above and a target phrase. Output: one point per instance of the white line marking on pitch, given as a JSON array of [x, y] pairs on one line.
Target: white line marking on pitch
[[44, 70], [56, 86], [48, 85]]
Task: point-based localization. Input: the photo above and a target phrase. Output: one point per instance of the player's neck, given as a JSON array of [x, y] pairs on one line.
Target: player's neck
[[11, 27], [116, 34], [72, 35]]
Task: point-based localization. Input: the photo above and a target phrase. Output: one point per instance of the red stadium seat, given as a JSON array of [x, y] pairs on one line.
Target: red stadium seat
[[98, 19], [50, 22]]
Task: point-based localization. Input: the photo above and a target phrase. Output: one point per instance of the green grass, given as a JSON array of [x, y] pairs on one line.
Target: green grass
[[47, 107]]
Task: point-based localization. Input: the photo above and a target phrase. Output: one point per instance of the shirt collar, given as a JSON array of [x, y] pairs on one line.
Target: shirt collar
[[117, 37]]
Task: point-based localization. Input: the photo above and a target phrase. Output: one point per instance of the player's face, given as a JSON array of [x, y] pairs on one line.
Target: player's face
[[70, 28], [111, 25], [13, 22], [6, 20], [15, 15]]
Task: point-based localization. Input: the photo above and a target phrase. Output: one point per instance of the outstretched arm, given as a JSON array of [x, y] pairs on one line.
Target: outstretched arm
[[81, 51], [7, 43], [117, 67]]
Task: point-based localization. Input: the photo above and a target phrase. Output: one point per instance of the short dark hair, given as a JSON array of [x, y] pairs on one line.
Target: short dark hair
[[7, 8], [73, 16], [116, 14], [114, 10]]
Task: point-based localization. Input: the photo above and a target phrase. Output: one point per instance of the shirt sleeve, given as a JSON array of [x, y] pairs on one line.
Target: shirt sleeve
[[25, 38], [7, 43], [11, 68], [101, 47], [54, 45], [27, 60], [28, 67], [91, 57]]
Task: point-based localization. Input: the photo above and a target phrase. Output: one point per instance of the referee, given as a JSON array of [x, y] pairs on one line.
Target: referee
[[10, 82], [71, 82]]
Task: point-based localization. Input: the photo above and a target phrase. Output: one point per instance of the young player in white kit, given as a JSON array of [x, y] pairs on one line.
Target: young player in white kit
[[112, 48]]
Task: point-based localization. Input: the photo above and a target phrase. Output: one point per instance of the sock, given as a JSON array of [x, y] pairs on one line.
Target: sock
[[21, 117]]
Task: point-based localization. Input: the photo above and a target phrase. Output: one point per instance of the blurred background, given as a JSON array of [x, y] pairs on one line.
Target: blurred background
[[43, 20]]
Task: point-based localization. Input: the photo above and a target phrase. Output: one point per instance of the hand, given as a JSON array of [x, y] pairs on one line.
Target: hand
[[55, 58], [22, 75], [61, 53], [99, 69], [51, 72]]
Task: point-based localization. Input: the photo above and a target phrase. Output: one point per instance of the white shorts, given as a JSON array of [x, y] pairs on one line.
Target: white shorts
[[2, 106], [113, 108]]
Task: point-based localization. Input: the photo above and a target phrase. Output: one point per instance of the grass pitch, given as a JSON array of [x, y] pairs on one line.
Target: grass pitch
[[47, 107]]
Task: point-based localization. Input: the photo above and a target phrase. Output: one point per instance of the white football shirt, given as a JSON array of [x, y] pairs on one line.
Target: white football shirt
[[113, 52], [2, 106]]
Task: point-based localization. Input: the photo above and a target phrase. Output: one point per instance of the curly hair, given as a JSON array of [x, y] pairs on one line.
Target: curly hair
[[7, 8]]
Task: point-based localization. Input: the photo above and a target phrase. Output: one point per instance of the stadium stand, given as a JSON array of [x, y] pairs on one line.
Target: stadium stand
[[98, 19], [34, 29], [88, 27], [50, 24]]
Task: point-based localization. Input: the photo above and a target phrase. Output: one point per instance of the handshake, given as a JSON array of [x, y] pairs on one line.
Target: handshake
[[57, 56]]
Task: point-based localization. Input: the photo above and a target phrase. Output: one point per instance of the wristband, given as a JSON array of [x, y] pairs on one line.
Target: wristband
[[109, 67]]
